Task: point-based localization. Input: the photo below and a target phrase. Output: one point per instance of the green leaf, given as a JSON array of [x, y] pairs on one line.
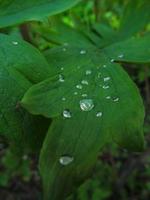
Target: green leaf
[[135, 17], [135, 50], [15, 12], [112, 110], [21, 65]]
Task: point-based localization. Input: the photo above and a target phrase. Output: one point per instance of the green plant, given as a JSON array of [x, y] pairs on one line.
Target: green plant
[[67, 102]]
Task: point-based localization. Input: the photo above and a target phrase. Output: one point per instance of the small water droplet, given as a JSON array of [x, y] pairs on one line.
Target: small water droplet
[[82, 52], [104, 66], [61, 78], [84, 82], [84, 95], [64, 99], [62, 68], [116, 99], [66, 160], [66, 44], [99, 114], [88, 72], [112, 60], [105, 86], [79, 86], [66, 114], [64, 49], [86, 104], [121, 56], [106, 79], [25, 157], [15, 42], [75, 93], [108, 97]]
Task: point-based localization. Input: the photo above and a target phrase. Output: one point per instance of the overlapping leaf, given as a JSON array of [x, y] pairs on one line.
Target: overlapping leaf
[[20, 66], [83, 78], [15, 12]]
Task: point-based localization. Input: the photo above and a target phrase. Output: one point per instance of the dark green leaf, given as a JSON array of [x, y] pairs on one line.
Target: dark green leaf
[[15, 12]]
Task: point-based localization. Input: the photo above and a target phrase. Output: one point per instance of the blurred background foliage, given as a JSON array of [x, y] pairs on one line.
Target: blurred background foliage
[[118, 174]]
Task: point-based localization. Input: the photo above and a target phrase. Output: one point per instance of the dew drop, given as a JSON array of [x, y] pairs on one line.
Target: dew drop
[[66, 114], [99, 114], [64, 99], [106, 79], [108, 97], [88, 72], [116, 99], [121, 56], [104, 66], [84, 95], [64, 49], [82, 52], [25, 157], [15, 42], [112, 60], [79, 86], [62, 68], [105, 86], [66, 160], [66, 44], [84, 82], [75, 93], [61, 78], [86, 104]]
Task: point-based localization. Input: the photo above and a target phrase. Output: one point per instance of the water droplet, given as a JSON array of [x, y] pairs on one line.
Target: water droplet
[[86, 104], [116, 99], [112, 60], [104, 66], [121, 56], [84, 95], [66, 44], [66, 160], [61, 78], [82, 52], [106, 79], [64, 49], [99, 114], [62, 68], [79, 86], [64, 99], [66, 114], [25, 157], [75, 93], [15, 42], [105, 86], [88, 72], [84, 82], [108, 97]]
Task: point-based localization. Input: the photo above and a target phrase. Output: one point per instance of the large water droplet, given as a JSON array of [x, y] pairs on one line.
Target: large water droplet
[[66, 160], [88, 72], [108, 97], [66, 114], [99, 114], [82, 52], [79, 86], [106, 79], [86, 104], [84, 82], [61, 78]]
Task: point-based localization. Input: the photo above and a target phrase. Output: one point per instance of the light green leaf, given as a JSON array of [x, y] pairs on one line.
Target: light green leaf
[[135, 50], [20, 66], [15, 12], [112, 110]]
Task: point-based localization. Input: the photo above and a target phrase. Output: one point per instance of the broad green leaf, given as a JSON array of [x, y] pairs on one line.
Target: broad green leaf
[[20, 66], [15, 12], [135, 50], [135, 17], [94, 101]]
